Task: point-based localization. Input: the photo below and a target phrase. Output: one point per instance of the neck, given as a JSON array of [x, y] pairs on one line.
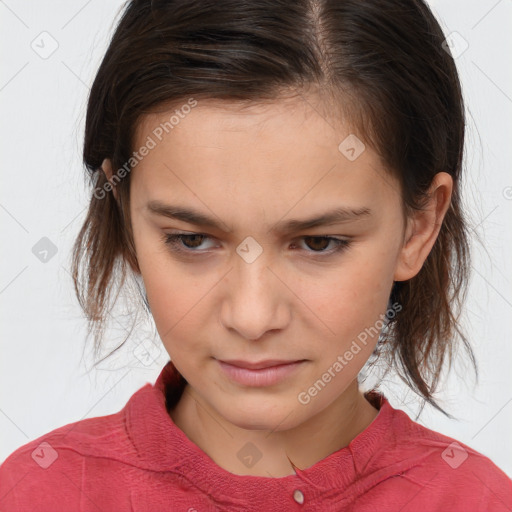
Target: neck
[[227, 445]]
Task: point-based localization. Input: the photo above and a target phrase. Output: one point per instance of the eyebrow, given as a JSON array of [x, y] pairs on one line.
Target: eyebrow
[[336, 216]]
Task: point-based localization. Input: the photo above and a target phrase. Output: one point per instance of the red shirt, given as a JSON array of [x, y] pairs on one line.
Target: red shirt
[[138, 460]]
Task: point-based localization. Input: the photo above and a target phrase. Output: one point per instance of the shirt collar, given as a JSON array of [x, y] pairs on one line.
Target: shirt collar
[[162, 446]]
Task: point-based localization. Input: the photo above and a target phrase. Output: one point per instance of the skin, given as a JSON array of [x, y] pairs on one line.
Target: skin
[[250, 169]]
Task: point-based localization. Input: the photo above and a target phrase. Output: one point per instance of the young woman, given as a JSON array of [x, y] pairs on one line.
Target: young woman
[[284, 178]]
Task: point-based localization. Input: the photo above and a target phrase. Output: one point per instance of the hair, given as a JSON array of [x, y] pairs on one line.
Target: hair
[[382, 65]]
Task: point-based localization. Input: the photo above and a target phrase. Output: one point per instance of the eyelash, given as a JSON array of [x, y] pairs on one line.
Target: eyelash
[[173, 242]]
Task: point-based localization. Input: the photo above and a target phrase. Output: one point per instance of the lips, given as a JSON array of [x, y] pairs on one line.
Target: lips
[[268, 363], [259, 373]]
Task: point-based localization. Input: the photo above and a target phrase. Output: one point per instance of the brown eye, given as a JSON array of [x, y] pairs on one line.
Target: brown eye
[[185, 242], [192, 244], [317, 243], [191, 241]]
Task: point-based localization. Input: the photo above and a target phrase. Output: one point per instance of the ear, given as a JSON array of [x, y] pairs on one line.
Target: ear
[[106, 167], [423, 227]]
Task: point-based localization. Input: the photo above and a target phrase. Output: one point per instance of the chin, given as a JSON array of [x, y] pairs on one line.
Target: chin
[[262, 415]]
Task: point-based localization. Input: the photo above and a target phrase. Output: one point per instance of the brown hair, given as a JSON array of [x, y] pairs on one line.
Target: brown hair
[[384, 65]]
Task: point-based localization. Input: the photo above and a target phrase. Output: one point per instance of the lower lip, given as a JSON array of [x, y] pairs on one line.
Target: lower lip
[[261, 377]]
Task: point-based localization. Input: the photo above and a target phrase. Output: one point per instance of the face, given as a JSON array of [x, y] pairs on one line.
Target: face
[[250, 282]]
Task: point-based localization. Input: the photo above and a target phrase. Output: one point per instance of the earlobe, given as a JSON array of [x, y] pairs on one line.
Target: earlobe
[[423, 228]]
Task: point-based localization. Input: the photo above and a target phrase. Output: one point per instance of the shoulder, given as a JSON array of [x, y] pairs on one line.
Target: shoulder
[[57, 460], [449, 473]]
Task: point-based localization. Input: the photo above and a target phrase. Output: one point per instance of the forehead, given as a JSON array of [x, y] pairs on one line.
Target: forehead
[[214, 115], [283, 149], [297, 126]]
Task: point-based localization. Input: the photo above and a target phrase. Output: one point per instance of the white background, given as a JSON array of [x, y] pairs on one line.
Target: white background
[[45, 380]]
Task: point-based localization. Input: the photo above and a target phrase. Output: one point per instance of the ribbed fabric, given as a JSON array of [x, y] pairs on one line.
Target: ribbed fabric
[[139, 460]]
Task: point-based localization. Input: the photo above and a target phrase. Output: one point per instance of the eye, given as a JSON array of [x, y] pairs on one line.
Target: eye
[[191, 242], [320, 243]]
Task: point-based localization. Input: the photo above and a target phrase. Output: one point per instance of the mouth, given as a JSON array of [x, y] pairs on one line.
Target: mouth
[[259, 373], [268, 363]]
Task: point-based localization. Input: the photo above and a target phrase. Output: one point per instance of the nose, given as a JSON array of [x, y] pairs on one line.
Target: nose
[[255, 300]]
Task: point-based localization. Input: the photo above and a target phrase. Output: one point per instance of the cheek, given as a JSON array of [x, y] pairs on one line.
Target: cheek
[[176, 305], [351, 303], [350, 299], [172, 293]]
